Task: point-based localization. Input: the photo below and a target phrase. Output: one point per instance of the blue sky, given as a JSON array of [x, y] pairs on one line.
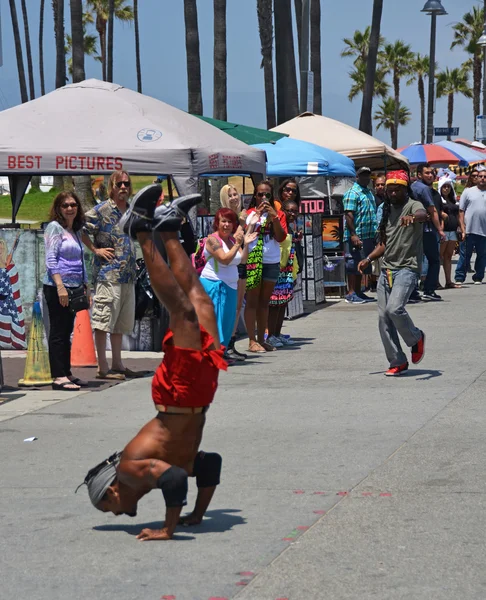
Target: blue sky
[[164, 66]]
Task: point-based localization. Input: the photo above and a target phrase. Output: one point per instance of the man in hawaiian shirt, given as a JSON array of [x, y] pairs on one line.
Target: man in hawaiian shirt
[[359, 233], [114, 272]]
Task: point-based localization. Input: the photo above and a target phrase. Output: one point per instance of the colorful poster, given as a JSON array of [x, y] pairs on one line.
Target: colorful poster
[[331, 233], [12, 323]]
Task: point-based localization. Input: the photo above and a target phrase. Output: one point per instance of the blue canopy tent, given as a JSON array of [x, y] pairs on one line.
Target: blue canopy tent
[[288, 157]]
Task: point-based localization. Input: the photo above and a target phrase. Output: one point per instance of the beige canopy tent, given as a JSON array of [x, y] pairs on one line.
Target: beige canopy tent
[[364, 149], [95, 127]]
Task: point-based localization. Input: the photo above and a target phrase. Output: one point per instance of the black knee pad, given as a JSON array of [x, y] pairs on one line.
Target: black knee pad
[[207, 469], [173, 484]]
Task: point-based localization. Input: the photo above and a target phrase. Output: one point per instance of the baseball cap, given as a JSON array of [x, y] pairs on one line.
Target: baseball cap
[[363, 170]]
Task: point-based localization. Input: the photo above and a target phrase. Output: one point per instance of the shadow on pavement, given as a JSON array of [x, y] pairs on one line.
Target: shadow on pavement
[[427, 373], [215, 521]]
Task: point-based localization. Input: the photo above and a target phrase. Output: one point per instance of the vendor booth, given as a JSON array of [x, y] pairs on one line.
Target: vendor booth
[[92, 128], [312, 163], [360, 147], [95, 127]]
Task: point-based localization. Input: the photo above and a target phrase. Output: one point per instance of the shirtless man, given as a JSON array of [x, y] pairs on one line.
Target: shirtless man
[[166, 450]]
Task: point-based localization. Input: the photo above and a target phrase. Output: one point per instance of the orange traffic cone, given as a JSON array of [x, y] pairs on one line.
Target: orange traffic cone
[[82, 349], [37, 371]]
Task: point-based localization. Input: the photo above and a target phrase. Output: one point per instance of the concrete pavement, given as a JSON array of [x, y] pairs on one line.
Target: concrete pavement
[[337, 482]]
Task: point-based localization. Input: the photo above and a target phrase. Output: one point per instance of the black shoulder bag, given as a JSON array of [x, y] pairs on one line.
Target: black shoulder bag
[[78, 299]]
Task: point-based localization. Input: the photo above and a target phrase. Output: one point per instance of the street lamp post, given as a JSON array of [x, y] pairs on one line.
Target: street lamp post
[[433, 8], [482, 42]]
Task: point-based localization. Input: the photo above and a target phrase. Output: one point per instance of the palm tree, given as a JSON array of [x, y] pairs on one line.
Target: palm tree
[[449, 83], [381, 87], [90, 43], [18, 52], [265, 27], [137, 46], [466, 35], [420, 71], [220, 108], [100, 10], [385, 116], [298, 19], [28, 49], [41, 47], [194, 87], [77, 40], [358, 46], [365, 121], [58, 10], [315, 53], [287, 93], [78, 27], [111, 21], [399, 58]]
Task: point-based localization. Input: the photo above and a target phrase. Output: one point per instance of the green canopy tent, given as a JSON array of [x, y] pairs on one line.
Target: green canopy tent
[[244, 133]]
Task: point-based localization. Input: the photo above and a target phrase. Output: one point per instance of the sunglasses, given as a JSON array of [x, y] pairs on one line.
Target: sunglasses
[[120, 184], [290, 190], [264, 195], [292, 211], [69, 205]]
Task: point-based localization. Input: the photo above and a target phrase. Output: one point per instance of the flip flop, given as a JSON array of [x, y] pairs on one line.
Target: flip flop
[[110, 375], [79, 382], [268, 347], [64, 387], [132, 374], [252, 349]]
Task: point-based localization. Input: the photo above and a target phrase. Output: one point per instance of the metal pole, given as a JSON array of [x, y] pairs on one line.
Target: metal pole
[[430, 111], [304, 56]]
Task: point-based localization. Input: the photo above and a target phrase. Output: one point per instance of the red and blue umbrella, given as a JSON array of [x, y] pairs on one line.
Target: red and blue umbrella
[[442, 153]]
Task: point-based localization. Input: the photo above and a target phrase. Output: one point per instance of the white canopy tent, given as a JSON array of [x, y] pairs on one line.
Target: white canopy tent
[[94, 127], [362, 148]]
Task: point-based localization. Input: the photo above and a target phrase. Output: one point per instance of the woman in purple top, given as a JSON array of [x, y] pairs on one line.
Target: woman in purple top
[[65, 269]]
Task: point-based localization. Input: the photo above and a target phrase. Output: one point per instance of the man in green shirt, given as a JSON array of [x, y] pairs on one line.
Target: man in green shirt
[[401, 246]]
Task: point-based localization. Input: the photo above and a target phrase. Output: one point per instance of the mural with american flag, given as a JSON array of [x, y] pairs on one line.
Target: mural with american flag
[[12, 324]]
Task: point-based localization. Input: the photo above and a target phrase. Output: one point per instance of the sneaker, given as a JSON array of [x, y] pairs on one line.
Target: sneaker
[[139, 215], [274, 341], [233, 352], [396, 371], [364, 297], [431, 297], [286, 341], [354, 299], [478, 283], [418, 350], [228, 359], [169, 216]]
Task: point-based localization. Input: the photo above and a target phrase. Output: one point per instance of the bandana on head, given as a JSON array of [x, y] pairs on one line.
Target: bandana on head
[[397, 178], [99, 478]]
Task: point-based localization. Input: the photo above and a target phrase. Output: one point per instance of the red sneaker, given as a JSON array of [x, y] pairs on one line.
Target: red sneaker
[[397, 371], [418, 350]]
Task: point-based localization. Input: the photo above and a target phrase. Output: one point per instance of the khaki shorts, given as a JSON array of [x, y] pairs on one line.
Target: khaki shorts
[[114, 307]]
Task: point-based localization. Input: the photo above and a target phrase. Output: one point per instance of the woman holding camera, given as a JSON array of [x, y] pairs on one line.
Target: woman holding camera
[[65, 271], [263, 265]]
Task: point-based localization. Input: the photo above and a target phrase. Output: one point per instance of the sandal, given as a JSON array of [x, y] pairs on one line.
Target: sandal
[[453, 286], [110, 375], [65, 386], [80, 382], [268, 347], [256, 348]]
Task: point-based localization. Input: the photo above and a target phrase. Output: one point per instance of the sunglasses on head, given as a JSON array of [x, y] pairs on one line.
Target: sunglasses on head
[[69, 205], [264, 195], [120, 184], [290, 190]]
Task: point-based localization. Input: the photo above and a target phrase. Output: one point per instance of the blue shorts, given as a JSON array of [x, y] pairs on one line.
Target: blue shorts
[[353, 256], [271, 272]]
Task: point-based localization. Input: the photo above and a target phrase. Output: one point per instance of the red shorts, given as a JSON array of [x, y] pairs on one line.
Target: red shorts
[[187, 377]]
